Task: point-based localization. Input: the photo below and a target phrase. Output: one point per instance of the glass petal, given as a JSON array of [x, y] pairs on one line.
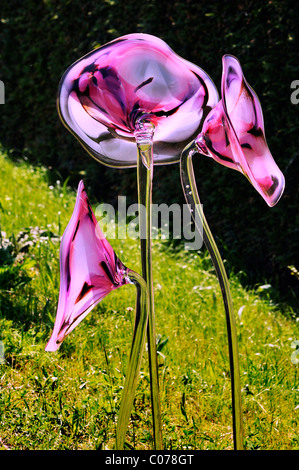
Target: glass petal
[[104, 94]]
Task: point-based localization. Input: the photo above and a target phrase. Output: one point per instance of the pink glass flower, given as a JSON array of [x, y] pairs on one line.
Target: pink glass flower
[[104, 94], [89, 270], [233, 134]]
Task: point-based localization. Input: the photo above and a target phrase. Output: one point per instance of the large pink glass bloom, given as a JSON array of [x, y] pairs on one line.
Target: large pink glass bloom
[[234, 135], [103, 96], [89, 270]]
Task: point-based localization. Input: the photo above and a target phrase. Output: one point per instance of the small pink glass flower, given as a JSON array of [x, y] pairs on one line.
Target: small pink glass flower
[[105, 96], [233, 134], [90, 270]]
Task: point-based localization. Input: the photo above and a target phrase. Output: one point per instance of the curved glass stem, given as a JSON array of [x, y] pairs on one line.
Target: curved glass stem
[[133, 368], [144, 140], [192, 198]]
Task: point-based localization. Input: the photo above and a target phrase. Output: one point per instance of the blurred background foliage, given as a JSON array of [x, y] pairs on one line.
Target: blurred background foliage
[[40, 39]]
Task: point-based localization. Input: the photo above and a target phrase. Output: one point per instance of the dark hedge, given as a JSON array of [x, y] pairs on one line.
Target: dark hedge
[[40, 39]]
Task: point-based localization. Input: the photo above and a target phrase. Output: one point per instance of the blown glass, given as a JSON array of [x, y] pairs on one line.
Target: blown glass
[[233, 134], [136, 77], [90, 270]]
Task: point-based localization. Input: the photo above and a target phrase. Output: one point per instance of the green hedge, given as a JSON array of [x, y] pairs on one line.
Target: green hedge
[[40, 39]]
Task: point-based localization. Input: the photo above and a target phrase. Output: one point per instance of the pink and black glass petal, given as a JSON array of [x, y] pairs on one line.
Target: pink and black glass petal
[[233, 134], [104, 94], [89, 270]]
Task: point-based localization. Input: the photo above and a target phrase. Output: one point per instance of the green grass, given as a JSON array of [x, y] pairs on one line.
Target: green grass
[[70, 399]]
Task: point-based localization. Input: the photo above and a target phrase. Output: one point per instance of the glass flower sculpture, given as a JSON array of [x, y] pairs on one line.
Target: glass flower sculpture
[[90, 270], [134, 102], [233, 134]]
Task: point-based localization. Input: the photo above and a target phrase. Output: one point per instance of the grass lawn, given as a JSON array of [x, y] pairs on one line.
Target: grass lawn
[[69, 399]]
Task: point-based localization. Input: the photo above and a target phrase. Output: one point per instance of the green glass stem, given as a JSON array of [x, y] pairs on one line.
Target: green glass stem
[[133, 368], [144, 139], [192, 199]]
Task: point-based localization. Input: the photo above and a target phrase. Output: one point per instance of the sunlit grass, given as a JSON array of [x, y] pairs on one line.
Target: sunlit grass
[[70, 399]]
